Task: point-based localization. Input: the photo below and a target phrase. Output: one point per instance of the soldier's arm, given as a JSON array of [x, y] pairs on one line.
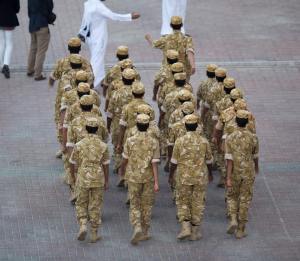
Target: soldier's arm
[[229, 163], [123, 126], [209, 161], [191, 58], [154, 163], [73, 163], [56, 74], [255, 154], [173, 163], [105, 165]]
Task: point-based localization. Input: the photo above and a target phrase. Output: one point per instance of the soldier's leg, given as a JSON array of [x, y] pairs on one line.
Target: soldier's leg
[[82, 211], [95, 207]]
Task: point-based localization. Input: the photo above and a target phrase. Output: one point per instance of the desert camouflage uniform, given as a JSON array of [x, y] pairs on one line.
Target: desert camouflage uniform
[[89, 155], [191, 154], [178, 115], [242, 148], [141, 150], [153, 131]]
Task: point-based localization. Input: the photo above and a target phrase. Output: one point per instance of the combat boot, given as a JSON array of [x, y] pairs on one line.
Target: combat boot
[[82, 231], [94, 237], [232, 225], [137, 234], [145, 235], [240, 233], [185, 230], [195, 235]]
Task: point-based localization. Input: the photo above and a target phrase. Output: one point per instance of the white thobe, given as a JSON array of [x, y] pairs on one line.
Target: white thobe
[[95, 22], [169, 9]]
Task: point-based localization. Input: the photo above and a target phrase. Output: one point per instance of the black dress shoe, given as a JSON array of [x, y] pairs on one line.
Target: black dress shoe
[[40, 78], [5, 71], [30, 74]]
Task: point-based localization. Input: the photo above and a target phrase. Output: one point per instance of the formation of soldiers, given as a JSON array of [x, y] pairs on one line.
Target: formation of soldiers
[[222, 135]]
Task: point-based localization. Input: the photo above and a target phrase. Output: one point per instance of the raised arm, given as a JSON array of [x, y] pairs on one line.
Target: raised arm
[[107, 13]]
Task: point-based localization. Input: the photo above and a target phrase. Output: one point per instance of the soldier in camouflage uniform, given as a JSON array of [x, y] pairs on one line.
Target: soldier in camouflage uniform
[[90, 156], [120, 98], [179, 42], [241, 154], [140, 158], [192, 159]]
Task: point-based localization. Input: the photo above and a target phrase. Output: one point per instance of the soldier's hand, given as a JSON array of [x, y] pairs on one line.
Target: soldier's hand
[[156, 187], [148, 37], [51, 81], [193, 70], [228, 183], [214, 140], [135, 15], [154, 98], [119, 148]]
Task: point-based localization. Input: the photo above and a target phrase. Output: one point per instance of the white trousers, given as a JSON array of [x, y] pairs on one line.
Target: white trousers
[[6, 46]]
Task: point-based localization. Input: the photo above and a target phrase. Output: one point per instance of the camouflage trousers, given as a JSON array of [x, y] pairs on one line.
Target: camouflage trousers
[[239, 197], [208, 125], [117, 157], [190, 201], [220, 162], [141, 197], [88, 205]]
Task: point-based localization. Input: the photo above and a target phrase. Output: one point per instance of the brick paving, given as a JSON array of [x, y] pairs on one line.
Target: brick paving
[[38, 223]]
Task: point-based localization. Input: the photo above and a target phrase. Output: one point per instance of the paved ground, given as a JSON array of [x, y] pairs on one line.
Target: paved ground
[[258, 43]]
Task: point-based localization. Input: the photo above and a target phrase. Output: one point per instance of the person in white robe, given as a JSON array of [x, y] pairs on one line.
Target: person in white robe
[[171, 8], [93, 31]]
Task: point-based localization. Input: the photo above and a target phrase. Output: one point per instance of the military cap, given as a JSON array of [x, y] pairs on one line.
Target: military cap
[[221, 72], [184, 95], [211, 67], [242, 114], [75, 58], [129, 74], [144, 109], [122, 50], [236, 93], [143, 118], [177, 67], [180, 76], [92, 122], [172, 54], [126, 63], [191, 119], [74, 42], [240, 104], [87, 100], [229, 82], [188, 107], [176, 20], [82, 76], [138, 88], [83, 87]]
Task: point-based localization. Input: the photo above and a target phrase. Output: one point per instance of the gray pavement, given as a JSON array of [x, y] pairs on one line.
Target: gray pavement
[[257, 41]]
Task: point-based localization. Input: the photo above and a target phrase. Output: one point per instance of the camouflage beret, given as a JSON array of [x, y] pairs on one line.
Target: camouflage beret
[[184, 95], [188, 107], [87, 100], [221, 72], [191, 119], [211, 67], [129, 74], [143, 118], [242, 114], [240, 104], [236, 93], [176, 20], [92, 122], [122, 50], [229, 82], [126, 63], [82, 75], [83, 87], [74, 42], [75, 58], [172, 54], [138, 88], [177, 67], [180, 76]]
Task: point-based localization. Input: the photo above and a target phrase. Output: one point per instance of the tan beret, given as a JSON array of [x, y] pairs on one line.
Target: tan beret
[[92, 122], [87, 100], [221, 72], [188, 107], [138, 88], [75, 58], [191, 119], [82, 76], [144, 109], [184, 95], [229, 82], [122, 50], [143, 118], [180, 76], [126, 63], [129, 74], [242, 114], [211, 67], [240, 104], [83, 87], [172, 54], [74, 42], [236, 93], [177, 67], [176, 20]]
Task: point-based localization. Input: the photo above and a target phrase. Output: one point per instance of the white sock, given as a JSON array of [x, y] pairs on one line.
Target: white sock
[[8, 47]]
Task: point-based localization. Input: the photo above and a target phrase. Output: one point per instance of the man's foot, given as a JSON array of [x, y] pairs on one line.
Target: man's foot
[[30, 74], [232, 226], [40, 78], [145, 235], [6, 71], [185, 230], [137, 234], [195, 235], [94, 236], [240, 233], [82, 232]]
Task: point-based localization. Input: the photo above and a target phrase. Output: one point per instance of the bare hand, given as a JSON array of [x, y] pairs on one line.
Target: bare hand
[[135, 15], [228, 183], [148, 37], [156, 187], [193, 70]]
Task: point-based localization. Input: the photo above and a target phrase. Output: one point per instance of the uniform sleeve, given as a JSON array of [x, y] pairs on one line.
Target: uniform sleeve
[[228, 150], [208, 155], [111, 105], [219, 125], [105, 158], [71, 138], [160, 43], [171, 136], [124, 116], [104, 134], [74, 159], [176, 153], [67, 118], [256, 147], [107, 13], [125, 154], [156, 153], [189, 44]]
